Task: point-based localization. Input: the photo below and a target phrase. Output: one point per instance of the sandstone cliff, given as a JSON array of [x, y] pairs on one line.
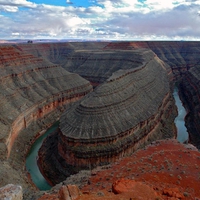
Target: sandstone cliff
[[180, 56], [190, 93], [30, 89], [33, 94], [85, 58], [131, 108]]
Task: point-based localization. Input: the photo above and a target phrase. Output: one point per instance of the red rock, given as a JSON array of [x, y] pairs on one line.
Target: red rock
[[159, 166], [123, 185], [74, 191], [64, 193], [173, 192], [136, 190]]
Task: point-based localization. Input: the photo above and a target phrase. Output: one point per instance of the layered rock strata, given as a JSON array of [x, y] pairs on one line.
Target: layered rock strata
[[30, 89], [190, 93], [131, 108], [91, 59], [179, 55]]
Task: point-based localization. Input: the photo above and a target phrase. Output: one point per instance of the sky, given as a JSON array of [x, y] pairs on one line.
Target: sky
[[100, 19]]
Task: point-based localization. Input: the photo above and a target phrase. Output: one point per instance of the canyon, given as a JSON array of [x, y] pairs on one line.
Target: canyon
[[122, 90], [132, 108]]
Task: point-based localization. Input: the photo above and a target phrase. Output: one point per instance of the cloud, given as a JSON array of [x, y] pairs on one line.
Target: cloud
[[68, 2], [23, 3], [119, 19], [13, 5]]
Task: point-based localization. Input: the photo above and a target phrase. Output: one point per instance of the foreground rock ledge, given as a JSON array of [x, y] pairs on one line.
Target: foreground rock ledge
[[11, 192], [164, 170], [130, 109]]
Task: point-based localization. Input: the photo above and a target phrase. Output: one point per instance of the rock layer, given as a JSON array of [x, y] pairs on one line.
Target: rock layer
[[180, 56], [190, 93], [130, 108], [30, 89]]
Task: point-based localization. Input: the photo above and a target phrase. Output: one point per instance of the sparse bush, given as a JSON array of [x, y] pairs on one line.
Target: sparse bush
[[186, 194]]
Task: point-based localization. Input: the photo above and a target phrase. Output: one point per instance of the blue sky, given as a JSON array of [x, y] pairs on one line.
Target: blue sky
[[100, 19], [84, 3]]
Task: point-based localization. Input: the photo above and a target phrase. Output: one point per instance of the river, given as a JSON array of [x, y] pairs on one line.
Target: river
[[31, 160], [182, 134]]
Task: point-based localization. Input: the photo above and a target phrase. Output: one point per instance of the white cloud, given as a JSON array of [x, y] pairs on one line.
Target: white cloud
[[68, 2], [119, 19], [18, 3]]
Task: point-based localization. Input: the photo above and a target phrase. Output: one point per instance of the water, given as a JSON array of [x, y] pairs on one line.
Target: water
[[182, 134], [31, 161]]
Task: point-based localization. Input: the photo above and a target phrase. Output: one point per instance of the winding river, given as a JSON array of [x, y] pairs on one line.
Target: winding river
[[182, 134], [31, 160]]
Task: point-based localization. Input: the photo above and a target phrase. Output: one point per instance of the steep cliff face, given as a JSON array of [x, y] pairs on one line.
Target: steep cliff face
[[31, 88], [131, 108], [190, 93], [91, 60], [180, 56]]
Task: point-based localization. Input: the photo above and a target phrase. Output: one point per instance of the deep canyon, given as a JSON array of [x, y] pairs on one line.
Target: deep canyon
[[110, 98]]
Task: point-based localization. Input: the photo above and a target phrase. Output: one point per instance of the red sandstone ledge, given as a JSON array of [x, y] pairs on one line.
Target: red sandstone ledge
[[164, 170]]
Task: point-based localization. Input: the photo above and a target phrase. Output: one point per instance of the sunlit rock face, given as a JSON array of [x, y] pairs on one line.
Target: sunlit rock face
[[134, 106], [30, 89]]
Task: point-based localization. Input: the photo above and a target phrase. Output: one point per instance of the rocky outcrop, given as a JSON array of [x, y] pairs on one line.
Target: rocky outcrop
[[164, 165], [137, 190], [190, 93], [162, 170], [11, 192], [131, 108]]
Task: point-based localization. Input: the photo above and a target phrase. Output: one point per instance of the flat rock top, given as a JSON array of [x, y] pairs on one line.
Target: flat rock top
[[169, 167], [164, 170], [126, 99]]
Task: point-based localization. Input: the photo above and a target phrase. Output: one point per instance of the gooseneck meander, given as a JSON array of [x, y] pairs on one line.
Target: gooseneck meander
[[31, 160]]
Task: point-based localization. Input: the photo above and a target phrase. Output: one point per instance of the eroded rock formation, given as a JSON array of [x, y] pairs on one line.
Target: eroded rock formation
[[30, 89], [33, 94], [190, 93], [162, 170], [131, 108]]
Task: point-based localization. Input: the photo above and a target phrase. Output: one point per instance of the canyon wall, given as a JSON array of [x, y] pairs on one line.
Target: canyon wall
[[190, 95], [93, 60], [30, 89], [133, 107]]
